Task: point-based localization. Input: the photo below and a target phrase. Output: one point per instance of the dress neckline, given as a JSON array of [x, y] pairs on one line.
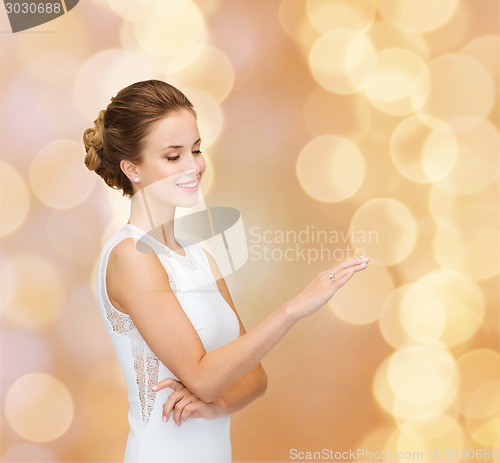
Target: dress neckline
[[169, 250]]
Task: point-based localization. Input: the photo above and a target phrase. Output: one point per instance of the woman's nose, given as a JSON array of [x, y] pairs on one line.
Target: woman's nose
[[195, 165]]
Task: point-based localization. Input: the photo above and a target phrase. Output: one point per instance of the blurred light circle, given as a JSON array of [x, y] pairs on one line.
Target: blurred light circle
[[474, 256], [382, 391], [395, 227], [390, 445], [167, 34], [451, 35], [326, 15], [210, 117], [58, 176], [39, 293], [463, 301], [484, 401], [486, 49], [461, 87], [243, 49], [478, 156], [417, 17], [330, 168], [128, 42], [322, 116], [484, 432], [410, 444], [103, 75], [467, 215], [39, 407], [343, 61], [145, 10], [51, 59], [383, 35], [406, 410], [374, 439], [210, 7], [401, 84], [117, 210], [476, 368], [361, 301], [293, 20], [15, 199], [424, 149], [194, 68], [422, 373], [389, 321], [209, 175], [482, 417], [422, 313]]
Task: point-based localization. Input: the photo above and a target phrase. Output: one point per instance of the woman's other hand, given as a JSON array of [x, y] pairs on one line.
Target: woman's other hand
[[182, 403]]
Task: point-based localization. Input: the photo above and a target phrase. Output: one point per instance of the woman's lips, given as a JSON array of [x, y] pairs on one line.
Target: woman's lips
[[189, 186]]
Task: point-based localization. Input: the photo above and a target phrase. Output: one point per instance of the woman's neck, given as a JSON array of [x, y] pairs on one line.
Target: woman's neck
[[155, 219]]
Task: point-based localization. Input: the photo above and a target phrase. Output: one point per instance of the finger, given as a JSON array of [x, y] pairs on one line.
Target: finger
[[168, 406], [189, 410], [179, 407], [345, 265], [345, 275], [350, 263], [168, 382]]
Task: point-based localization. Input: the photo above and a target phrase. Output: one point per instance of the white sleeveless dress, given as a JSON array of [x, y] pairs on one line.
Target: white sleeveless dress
[[151, 440]]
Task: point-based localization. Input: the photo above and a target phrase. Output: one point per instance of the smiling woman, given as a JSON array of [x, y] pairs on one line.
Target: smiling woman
[[187, 359]]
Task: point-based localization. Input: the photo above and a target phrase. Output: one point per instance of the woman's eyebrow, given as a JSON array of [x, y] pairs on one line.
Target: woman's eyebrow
[[180, 146]]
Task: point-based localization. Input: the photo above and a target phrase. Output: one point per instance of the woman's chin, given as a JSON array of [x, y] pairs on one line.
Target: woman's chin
[[190, 201]]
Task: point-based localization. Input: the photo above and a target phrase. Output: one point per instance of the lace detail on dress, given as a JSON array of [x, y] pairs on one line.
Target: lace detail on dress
[[171, 281], [146, 364]]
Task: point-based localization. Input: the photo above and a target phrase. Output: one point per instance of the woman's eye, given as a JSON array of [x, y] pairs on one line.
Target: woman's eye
[[173, 158], [197, 152]]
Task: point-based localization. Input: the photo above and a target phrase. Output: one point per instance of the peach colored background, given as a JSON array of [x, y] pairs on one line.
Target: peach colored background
[[374, 123]]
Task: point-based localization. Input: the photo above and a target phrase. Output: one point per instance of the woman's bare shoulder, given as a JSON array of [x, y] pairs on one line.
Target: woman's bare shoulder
[[132, 269]]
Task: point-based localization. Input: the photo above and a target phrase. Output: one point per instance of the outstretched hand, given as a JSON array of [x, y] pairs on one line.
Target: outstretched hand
[[183, 404], [324, 286]]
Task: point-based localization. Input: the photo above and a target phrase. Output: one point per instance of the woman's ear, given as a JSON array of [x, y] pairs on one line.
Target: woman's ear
[[130, 170]]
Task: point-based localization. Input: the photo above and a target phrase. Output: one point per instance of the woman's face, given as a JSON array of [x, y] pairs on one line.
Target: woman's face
[[172, 164]]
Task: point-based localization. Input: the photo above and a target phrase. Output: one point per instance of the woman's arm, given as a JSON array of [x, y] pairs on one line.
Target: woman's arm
[[139, 286], [252, 385], [183, 404], [243, 391], [236, 396]]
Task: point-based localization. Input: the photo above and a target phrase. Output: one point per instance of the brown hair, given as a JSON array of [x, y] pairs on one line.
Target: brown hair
[[119, 131]]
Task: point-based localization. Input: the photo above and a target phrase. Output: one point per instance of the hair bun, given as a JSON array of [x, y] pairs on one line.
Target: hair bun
[[128, 119], [93, 141]]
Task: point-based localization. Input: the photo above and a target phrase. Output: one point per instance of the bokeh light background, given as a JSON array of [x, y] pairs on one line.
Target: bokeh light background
[[376, 121]]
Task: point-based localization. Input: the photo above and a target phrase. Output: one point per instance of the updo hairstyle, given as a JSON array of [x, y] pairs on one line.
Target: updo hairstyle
[[119, 131]]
